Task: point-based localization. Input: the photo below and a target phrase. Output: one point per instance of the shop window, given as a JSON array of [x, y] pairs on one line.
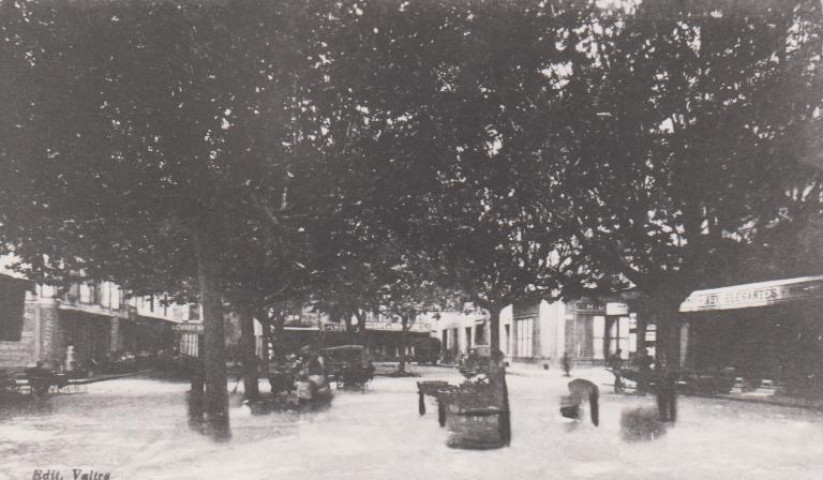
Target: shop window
[[599, 332], [189, 344], [619, 337]]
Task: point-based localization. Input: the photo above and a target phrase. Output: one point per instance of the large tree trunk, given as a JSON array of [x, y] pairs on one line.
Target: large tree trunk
[[216, 405], [248, 354], [404, 328], [498, 375], [667, 361], [494, 325], [197, 393]]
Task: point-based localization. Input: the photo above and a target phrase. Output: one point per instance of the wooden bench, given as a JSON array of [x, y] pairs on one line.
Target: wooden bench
[[429, 388]]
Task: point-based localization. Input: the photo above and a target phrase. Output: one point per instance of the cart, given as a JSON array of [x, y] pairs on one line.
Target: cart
[[475, 415]]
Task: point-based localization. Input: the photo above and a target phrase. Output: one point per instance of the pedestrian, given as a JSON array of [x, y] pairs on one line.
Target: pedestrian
[[566, 362], [615, 364], [643, 361]]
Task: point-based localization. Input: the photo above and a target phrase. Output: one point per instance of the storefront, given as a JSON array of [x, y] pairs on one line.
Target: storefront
[[459, 331], [762, 331], [586, 330], [383, 336]]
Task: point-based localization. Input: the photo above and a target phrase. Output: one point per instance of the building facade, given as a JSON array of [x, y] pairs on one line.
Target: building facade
[[459, 331], [588, 331], [759, 331], [382, 334], [85, 326]]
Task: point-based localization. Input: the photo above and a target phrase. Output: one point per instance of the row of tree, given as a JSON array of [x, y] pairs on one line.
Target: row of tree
[[383, 155]]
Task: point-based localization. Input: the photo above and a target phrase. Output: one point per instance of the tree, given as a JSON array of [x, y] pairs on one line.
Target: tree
[[699, 120], [154, 144], [451, 112], [408, 286], [506, 116]]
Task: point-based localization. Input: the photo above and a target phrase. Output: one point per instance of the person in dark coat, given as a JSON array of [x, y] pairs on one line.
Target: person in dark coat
[[643, 361], [581, 391], [566, 362], [616, 366]]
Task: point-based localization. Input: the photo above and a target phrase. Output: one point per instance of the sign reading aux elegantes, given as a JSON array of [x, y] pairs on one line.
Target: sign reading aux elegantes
[[754, 295]]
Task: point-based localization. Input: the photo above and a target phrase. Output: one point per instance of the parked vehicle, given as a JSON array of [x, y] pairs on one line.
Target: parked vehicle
[[427, 351], [349, 366]]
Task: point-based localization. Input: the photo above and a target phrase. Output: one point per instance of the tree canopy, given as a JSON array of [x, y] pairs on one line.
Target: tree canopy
[[696, 138], [518, 150]]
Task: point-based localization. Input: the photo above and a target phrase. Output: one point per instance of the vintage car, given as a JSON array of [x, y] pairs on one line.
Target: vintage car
[[349, 366]]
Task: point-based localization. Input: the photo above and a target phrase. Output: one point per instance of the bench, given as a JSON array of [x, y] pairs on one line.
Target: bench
[[429, 388], [42, 385], [634, 376]]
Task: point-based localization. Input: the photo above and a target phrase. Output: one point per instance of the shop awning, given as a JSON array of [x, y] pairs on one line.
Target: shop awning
[[753, 295]]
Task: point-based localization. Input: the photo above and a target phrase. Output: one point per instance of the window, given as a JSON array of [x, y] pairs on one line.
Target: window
[[87, 293], [194, 312], [619, 337], [468, 338], [524, 333], [189, 344], [480, 335], [115, 298], [599, 333], [12, 309]]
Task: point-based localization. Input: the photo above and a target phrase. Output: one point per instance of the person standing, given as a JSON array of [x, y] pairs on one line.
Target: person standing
[[644, 363], [615, 364], [566, 362]]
